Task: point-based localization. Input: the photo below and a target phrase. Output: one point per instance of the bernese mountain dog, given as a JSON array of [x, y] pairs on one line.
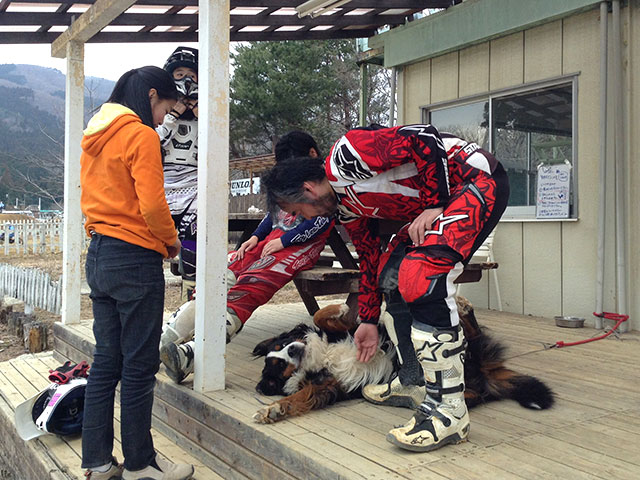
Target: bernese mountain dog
[[316, 366]]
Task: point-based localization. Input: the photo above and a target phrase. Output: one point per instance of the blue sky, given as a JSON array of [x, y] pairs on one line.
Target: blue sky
[[101, 60]]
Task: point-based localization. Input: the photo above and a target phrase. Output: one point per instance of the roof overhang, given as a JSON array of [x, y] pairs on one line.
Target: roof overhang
[[113, 21]]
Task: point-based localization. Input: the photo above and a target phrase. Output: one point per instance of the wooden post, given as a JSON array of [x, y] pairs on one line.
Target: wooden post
[[5, 311], [213, 195], [364, 93], [35, 336], [16, 322], [74, 122]]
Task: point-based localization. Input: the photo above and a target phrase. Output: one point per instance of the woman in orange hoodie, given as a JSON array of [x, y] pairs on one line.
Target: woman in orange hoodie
[[131, 232]]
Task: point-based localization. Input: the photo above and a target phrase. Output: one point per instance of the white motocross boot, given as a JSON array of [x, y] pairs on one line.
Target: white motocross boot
[[178, 359], [181, 325], [234, 325], [407, 387], [182, 322], [442, 417]]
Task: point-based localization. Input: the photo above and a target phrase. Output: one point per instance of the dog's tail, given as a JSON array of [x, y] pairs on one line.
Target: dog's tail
[[487, 378], [493, 381]]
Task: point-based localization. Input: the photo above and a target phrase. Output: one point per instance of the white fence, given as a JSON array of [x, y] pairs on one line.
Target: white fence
[[32, 236], [34, 287]]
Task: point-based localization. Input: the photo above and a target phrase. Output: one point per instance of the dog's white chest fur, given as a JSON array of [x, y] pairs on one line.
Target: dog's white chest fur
[[340, 360]]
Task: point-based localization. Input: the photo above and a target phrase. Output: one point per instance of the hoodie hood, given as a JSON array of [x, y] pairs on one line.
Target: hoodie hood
[[104, 124]]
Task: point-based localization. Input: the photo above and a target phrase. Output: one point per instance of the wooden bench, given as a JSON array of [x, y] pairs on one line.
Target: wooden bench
[[324, 279]]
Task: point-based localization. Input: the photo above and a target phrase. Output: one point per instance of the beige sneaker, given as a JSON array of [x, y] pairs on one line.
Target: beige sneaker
[[161, 469], [114, 472], [395, 394]]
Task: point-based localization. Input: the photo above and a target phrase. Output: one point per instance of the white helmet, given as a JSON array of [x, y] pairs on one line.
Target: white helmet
[[57, 409]]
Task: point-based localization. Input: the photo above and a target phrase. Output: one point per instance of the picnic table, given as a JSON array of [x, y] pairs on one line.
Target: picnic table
[[326, 279], [245, 223]]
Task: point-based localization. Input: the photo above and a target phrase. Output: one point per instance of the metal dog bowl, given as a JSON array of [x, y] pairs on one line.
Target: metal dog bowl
[[569, 322]]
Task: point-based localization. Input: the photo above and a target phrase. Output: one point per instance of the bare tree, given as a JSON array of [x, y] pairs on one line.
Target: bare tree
[[43, 174]]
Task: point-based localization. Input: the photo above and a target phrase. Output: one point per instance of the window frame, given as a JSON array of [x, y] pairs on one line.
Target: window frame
[[524, 212]]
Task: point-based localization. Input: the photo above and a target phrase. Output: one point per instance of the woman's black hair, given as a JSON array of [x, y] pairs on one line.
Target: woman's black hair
[[132, 90], [295, 144]]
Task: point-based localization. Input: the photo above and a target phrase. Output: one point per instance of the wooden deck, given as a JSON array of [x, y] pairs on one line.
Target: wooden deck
[[22, 378], [592, 432]]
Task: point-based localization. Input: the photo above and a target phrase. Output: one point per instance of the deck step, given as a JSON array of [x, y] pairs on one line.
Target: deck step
[[57, 458]]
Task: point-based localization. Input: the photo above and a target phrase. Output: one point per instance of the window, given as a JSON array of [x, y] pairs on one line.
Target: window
[[523, 130]]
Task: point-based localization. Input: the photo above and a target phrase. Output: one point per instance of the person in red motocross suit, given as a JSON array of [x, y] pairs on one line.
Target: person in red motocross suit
[[271, 257], [452, 194], [278, 249]]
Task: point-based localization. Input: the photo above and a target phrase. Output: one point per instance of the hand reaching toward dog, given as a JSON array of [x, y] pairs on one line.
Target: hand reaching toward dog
[[366, 338]]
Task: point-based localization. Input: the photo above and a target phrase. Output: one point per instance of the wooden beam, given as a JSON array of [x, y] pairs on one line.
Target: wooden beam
[[147, 19], [186, 36], [388, 4], [301, 35], [255, 164], [99, 15]]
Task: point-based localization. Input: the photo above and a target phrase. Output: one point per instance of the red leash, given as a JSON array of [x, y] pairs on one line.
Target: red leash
[[617, 317]]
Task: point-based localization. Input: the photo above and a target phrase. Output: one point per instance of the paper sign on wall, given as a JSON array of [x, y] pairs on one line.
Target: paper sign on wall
[[553, 189]]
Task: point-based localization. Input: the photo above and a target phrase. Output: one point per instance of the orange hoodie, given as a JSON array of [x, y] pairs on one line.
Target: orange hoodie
[[122, 180]]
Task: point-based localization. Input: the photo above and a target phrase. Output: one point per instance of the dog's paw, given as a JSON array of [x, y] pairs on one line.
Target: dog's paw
[[269, 414]]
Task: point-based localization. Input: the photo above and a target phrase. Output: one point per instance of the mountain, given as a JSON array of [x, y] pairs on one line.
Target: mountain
[[32, 128]]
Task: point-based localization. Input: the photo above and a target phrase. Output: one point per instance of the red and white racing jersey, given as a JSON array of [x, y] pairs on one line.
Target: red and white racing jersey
[[395, 173]]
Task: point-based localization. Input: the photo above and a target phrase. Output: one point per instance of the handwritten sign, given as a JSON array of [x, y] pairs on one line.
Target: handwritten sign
[[553, 188]]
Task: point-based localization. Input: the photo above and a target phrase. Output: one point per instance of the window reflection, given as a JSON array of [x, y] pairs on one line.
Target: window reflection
[[464, 121], [525, 129], [529, 129]]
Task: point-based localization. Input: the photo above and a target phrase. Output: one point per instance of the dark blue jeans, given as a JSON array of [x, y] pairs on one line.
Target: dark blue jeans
[[127, 290]]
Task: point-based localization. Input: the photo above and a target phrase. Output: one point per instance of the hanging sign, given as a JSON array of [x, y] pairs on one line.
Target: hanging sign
[[242, 186]]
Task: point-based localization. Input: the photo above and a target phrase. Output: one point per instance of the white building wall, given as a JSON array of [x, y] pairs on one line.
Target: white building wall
[[631, 58]]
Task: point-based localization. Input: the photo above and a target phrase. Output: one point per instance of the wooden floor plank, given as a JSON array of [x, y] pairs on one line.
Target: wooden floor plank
[[605, 441], [544, 466], [500, 459], [576, 457]]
